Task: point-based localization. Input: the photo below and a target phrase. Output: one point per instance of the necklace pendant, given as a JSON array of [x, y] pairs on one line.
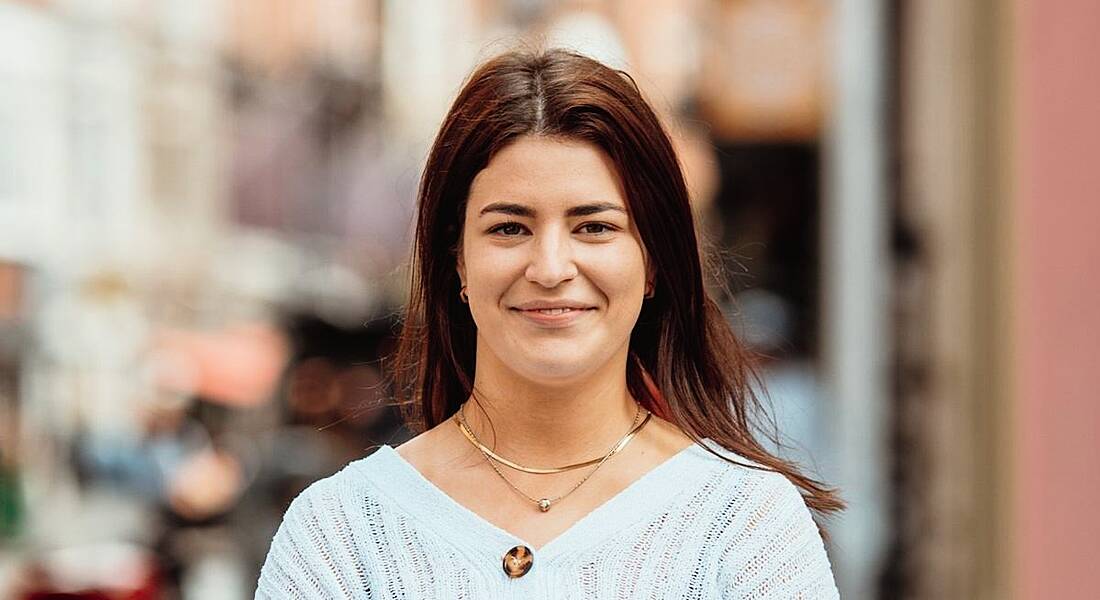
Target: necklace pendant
[[544, 504]]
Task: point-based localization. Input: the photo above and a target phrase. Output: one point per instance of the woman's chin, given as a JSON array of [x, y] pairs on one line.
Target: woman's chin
[[547, 371]]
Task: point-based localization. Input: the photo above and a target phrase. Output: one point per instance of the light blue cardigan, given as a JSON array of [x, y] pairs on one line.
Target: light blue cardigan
[[693, 527]]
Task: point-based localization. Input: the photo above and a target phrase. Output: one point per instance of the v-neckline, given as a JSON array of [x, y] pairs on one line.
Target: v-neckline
[[450, 518]]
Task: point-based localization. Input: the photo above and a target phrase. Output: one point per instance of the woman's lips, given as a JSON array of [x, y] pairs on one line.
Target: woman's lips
[[553, 317]]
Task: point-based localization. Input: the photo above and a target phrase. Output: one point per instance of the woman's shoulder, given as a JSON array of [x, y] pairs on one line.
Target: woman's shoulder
[[767, 534], [757, 509], [310, 554], [724, 473], [748, 481], [356, 481], [729, 461]]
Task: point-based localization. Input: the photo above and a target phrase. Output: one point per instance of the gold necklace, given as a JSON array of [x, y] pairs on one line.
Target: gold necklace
[[460, 420], [544, 504]]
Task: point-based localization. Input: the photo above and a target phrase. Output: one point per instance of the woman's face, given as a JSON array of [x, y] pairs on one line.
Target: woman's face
[[554, 268]]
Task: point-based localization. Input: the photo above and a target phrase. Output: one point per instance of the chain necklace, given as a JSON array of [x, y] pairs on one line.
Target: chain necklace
[[544, 504], [460, 419]]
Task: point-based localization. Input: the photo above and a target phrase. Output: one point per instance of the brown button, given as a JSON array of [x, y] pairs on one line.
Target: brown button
[[518, 561]]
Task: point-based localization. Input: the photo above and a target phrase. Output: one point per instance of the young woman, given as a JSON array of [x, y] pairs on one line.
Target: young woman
[[586, 407]]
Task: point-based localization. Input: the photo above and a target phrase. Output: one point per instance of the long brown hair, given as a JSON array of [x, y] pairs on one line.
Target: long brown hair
[[687, 366]]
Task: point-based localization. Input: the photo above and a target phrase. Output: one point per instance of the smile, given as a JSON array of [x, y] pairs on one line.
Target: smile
[[553, 317], [553, 311]]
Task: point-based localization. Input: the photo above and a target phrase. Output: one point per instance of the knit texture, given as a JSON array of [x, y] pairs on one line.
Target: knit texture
[[693, 527]]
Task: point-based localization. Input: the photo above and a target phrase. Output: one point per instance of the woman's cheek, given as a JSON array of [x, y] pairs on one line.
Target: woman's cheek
[[625, 276]]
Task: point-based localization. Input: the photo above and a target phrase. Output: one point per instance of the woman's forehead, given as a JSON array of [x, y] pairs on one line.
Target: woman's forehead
[[547, 175]]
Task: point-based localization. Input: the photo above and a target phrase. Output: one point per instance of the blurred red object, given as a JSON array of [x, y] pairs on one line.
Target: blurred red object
[[237, 366], [12, 276], [96, 572]]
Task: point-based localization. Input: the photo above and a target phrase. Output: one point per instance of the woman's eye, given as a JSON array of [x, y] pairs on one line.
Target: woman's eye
[[507, 229], [596, 228]]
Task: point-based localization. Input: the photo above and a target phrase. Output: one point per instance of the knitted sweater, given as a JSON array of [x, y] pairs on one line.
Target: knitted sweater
[[693, 527]]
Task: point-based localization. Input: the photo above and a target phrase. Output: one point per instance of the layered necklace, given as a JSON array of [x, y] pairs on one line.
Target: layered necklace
[[544, 504]]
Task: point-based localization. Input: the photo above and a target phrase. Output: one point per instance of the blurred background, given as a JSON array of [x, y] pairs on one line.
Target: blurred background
[[205, 209]]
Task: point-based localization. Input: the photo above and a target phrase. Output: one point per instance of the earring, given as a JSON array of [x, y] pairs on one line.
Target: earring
[[463, 296]]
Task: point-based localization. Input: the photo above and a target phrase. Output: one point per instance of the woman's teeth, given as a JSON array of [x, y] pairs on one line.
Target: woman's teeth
[[554, 311]]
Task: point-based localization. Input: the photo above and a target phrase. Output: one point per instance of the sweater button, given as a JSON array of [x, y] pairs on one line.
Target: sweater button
[[518, 561]]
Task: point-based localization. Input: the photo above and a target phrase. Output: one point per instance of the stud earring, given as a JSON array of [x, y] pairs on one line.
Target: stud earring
[[462, 294]]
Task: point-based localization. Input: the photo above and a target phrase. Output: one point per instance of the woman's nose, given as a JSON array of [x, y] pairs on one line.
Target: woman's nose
[[551, 261]]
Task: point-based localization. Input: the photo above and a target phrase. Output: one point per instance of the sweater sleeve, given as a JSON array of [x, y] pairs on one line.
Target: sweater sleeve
[[778, 551], [306, 559]]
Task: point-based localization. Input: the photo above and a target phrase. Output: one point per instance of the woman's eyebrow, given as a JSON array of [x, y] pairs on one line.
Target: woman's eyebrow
[[507, 208], [520, 210], [583, 210]]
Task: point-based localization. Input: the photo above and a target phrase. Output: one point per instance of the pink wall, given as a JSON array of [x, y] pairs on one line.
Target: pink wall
[[1057, 288]]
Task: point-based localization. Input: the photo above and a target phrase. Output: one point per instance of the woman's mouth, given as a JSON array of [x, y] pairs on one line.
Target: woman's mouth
[[553, 317], [553, 311]]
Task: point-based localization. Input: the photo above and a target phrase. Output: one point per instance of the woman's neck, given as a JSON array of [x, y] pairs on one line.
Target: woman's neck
[[548, 426]]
